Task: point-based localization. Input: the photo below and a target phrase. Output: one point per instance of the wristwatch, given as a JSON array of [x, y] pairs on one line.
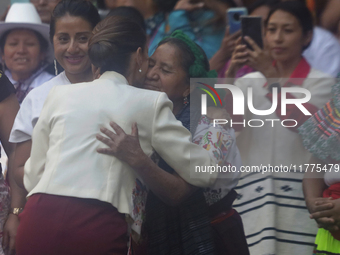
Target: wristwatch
[[16, 211]]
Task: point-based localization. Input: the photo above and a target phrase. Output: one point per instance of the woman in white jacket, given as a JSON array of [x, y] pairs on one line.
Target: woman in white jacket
[[77, 197]]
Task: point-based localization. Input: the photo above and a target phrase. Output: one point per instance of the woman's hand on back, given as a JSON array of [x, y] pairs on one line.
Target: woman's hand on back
[[121, 145]]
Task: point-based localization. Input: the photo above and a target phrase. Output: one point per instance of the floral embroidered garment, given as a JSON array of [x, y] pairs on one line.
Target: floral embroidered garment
[[222, 145]]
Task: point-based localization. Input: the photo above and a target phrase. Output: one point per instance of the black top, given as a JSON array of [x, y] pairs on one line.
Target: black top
[[6, 87]]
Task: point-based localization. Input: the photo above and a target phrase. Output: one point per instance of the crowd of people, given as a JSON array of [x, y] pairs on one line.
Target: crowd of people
[[102, 128]]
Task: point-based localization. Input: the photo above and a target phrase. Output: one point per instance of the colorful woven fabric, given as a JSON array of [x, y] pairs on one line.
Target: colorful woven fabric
[[321, 133]]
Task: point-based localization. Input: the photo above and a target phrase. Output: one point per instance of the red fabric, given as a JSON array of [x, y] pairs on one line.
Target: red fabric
[[334, 192], [298, 76], [55, 225]]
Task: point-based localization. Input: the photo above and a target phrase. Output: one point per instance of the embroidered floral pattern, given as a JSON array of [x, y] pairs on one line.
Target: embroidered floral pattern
[[218, 141], [139, 195]]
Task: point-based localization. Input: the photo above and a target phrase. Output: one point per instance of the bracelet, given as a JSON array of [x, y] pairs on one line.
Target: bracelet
[[16, 211]]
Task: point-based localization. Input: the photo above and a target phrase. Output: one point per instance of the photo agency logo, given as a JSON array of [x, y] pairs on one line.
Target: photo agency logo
[[239, 104]]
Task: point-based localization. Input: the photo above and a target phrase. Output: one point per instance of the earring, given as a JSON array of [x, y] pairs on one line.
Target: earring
[[185, 100], [55, 67], [140, 70]]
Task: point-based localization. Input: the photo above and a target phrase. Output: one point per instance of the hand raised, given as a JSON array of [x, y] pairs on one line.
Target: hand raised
[[229, 43], [260, 59], [238, 59]]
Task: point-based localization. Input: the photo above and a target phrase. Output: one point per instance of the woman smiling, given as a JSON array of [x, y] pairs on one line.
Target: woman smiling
[[25, 49], [182, 218], [288, 32]]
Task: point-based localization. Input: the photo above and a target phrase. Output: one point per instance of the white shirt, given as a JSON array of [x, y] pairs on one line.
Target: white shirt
[[64, 160], [324, 52], [34, 81], [271, 204], [277, 145], [31, 107]]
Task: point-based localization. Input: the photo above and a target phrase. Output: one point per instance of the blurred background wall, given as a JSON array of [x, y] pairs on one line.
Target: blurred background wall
[[3, 6]]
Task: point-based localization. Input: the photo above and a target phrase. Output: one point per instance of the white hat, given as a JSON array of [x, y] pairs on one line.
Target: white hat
[[24, 15]]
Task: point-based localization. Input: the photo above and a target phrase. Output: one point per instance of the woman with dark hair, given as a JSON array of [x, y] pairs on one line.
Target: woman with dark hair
[[77, 197], [320, 54], [178, 221], [222, 58], [276, 144], [25, 49], [70, 30]]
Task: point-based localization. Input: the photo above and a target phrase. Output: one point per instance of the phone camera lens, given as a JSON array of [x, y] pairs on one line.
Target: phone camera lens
[[237, 16]]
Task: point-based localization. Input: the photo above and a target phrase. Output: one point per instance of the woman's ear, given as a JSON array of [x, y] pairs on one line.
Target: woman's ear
[[187, 91], [139, 56]]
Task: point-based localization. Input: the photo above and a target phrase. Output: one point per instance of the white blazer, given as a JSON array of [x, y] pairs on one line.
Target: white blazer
[[64, 160]]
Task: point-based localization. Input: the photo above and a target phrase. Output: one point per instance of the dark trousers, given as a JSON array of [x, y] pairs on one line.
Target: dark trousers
[[60, 225]]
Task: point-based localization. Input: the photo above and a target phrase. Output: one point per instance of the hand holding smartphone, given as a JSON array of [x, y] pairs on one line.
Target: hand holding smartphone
[[252, 27]]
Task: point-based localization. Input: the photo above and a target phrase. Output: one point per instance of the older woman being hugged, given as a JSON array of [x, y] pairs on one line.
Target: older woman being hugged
[[25, 49], [180, 221]]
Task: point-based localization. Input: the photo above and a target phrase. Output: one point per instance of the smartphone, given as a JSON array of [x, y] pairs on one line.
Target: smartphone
[[252, 27], [234, 18]]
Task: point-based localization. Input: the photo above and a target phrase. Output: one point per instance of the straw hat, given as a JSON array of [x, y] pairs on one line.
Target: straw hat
[[22, 16]]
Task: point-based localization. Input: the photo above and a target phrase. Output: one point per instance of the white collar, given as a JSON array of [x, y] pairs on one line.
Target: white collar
[[117, 77]]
